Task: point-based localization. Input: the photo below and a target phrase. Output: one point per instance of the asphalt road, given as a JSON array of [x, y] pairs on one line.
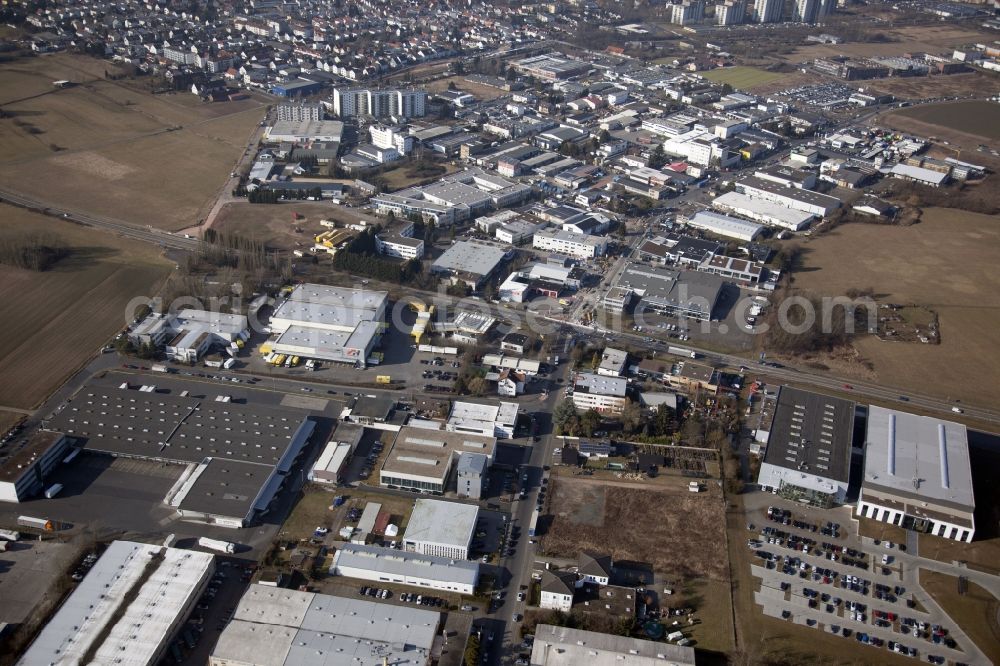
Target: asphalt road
[[145, 234]]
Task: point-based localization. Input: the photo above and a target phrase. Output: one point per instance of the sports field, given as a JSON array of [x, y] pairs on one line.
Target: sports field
[[944, 263], [59, 318], [111, 149], [742, 78]]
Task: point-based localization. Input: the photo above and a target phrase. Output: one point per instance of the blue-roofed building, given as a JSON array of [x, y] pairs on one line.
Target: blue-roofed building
[[296, 88]]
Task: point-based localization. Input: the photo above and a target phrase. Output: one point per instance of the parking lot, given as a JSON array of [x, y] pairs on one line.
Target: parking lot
[[815, 573]]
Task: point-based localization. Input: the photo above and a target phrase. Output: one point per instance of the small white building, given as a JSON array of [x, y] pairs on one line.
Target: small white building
[[493, 420], [582, 246], [612, 362], [557, 591]]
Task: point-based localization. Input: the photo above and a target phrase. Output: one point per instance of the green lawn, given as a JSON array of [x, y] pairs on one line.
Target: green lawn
[[742, 78]]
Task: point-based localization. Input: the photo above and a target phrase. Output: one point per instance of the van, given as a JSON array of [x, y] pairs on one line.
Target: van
[[957, 410]]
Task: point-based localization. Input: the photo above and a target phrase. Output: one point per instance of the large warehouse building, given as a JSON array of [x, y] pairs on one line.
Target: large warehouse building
[[388, 565], [277, 627], [761, 210], [127, 610], [918, 475], [244, 448], [423, 460], [808, 455], [335, 324]]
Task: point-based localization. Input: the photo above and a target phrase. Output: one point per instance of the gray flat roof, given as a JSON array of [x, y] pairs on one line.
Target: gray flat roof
[[274, 626], [918, 457], [689, 290], [347, 297], [428, 453], [440, 522], [811, 432], [471, 258], [227, 487], [401, 563], [600, 384]]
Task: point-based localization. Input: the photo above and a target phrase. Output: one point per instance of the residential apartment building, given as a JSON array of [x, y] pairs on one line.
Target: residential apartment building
[[298, 113], [688, 12], [400, 103], [768, 11], [731, 12]]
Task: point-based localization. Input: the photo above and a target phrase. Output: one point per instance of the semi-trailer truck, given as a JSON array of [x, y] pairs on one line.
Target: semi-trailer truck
[[681, 351], [37, 523], [9, 535], [215, 544]]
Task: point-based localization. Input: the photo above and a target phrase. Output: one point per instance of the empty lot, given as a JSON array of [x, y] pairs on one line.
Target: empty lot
[[111, 149], [678, 533], [944, 263], [978, 118], [59, 318]]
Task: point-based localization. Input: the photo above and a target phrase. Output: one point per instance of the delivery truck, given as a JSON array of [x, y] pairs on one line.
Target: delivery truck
[[37, 523], [215, 544]]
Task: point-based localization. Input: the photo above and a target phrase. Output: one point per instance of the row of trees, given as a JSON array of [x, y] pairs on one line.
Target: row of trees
[[361, 257], [33, 251]]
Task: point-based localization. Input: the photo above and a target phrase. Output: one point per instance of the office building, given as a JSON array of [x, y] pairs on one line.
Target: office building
[[581, 246], [440, 528], [604, 394], [189, 334], [421, 459], [690, 294]]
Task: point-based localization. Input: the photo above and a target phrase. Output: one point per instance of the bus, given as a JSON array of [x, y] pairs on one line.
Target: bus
[[533, 525]]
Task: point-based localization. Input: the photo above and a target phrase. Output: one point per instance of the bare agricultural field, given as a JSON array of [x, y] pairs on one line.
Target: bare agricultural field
[[65, 314], [110, 148], [676, 532], [743, 78], [921, 87], [977, 118], [975, 611], [944, 263]]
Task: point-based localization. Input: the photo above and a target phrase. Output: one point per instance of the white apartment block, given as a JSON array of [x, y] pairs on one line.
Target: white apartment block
[[598, 392], [384, 136], [298, 113], [404, 103], [566, 242]]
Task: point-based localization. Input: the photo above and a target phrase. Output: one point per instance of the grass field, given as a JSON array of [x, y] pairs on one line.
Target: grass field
[[673, 531], [112, 148], [743, 78], [943, 263], [313, 510], [975, 611], [65, 314]]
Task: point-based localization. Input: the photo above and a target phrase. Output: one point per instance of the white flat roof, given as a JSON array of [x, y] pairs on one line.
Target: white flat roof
[[91, 621], [918, 456], [339, 296], [440, 522], [562, 646], [725, 225], [321, 314], [784, 215], [401, 563]]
